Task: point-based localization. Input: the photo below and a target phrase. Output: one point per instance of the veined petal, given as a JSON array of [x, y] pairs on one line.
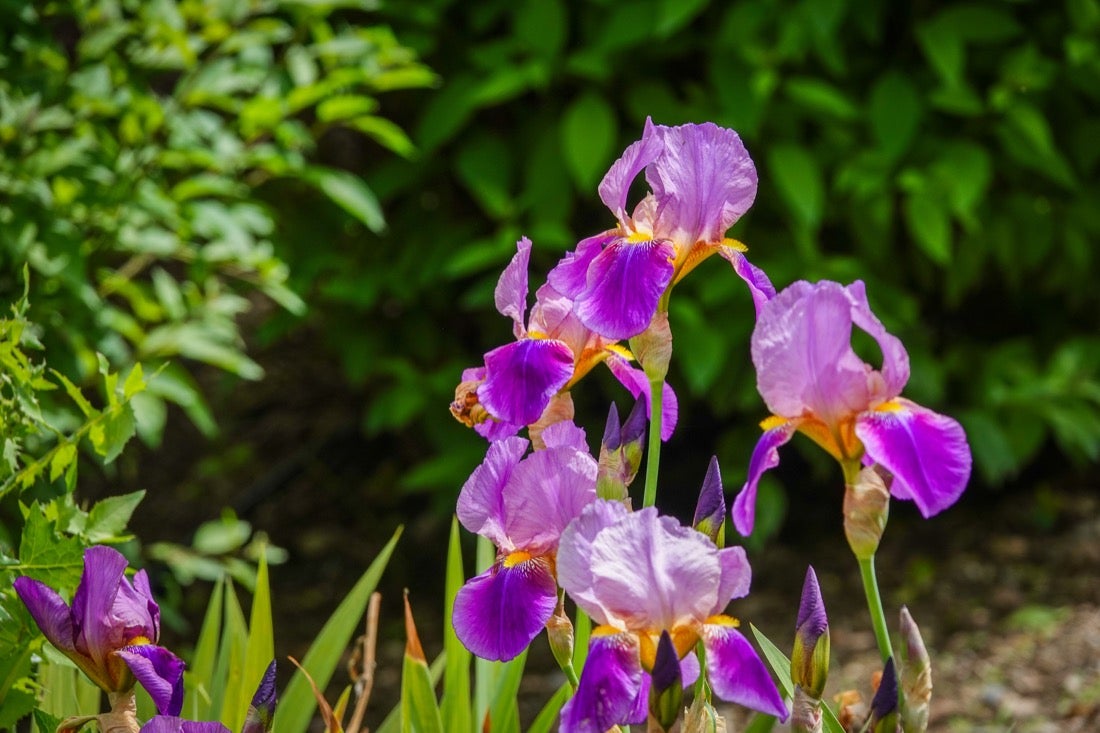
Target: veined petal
[[49, 611], [172, 724], [510, 295], [610, 687], [570, 276], [574, 558], [624, 284], [547, 490], [615, 186], [703, 180], [481, 501], [736, 577], [927, 453], [97, 632], [764, 457], [160, 672], [737, 674], [637, 384], [498, 613], [689, 669], [760, 286], [521, 377], [802, 351], [895, 359]]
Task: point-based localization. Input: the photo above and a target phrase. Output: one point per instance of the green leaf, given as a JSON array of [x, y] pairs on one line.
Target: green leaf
[[544, 721], [261, 639], [820, 97], [894, 112], [542, 26], [944, 49], [419, 710], [76, 395], [350, 193], [781, 668], [979, 22], [199, 678], [222, 535], [47, 554], [588, 132], [485, 167], [296, 705], [386, 133], [455, 703], [108, 517], [929, 225], [799, 182], [504, 710], [230, 664]]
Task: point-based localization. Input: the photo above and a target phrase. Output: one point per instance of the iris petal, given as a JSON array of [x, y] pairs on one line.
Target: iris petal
[[737, 674], [637, 383], [48, 610], [927, 453], [172, 724], [760, 286], [498, 613], [510, 295], [610, 687], [521, 377], [160, 672], [96, 633], [764, 456], [624, 284]]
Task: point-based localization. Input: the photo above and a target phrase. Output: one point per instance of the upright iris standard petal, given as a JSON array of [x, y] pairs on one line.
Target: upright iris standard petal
[[765, 456], [612, 685], [498, 613], [703, 181], [160, 672], [624, 283], [521, 377], [481, 502], [510, 295], [737, 674], [615, 186], [926, 452]]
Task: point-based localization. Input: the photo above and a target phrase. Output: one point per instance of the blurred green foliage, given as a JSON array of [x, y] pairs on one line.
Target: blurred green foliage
[[945, 154]]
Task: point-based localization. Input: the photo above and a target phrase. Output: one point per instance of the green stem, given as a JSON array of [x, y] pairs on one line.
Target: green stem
[[874, 604], [653, 459], [571, 675]]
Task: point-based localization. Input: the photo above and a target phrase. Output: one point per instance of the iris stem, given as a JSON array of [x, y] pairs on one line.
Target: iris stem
[[874, 604], [653, 457]]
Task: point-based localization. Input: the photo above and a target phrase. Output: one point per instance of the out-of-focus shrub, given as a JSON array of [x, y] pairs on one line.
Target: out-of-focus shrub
[[945, 154]]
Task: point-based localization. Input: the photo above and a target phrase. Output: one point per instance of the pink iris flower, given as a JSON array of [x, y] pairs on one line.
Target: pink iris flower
[[111, 630], [701, 181], [813, 382], [522, 505], [637, 575], [552, 351]]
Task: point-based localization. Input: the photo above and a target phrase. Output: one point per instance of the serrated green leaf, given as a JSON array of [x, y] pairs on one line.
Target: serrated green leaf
[[117, 427], [108, 517], [296, 705], [63, 455], [47, 554], [588, 131], [76, 395]]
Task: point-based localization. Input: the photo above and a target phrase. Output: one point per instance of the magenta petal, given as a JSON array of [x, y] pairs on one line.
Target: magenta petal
[[624, 284], [481, 501], [736, 576], [764, 456], [548, 489], [637, 383], [760, 286], [521, 377], [98, 633], [895, 359], [689, 670], [498, 613], [160, 672], [49, 611], [927, 453], [495, 430], [570, 276], [737, 674], [172, 724], [609, 687], [510, 295], [703, 180], [615, 186], [575, 568]]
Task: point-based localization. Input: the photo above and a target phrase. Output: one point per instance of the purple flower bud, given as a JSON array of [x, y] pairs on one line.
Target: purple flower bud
[[884, 705], [916, 676], [810, 656], [710, 512], [613, 431], [666, 691], [621, 452], [261, 713]]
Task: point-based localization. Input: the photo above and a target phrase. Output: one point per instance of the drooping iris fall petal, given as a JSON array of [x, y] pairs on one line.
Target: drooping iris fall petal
[[737, 674], [160, 672], [613, 688], [498, 613]]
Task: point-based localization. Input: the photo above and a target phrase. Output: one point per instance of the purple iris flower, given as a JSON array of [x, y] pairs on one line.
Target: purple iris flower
[[639, 575], [552, 351], [172, 724], [701, 181], [522, 505], [111, 629], [261, 713], [813, 382]]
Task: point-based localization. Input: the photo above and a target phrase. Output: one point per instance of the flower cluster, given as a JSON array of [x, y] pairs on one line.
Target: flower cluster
[[562, 521], [111, 632]]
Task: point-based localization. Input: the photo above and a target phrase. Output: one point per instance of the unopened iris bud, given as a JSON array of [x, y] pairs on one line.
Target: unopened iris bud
[[866, 509], [710, 512], [884, 705], [621, 452], [916, 676], [653, 347], [559, 630], [810, 656], [666, 692]]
